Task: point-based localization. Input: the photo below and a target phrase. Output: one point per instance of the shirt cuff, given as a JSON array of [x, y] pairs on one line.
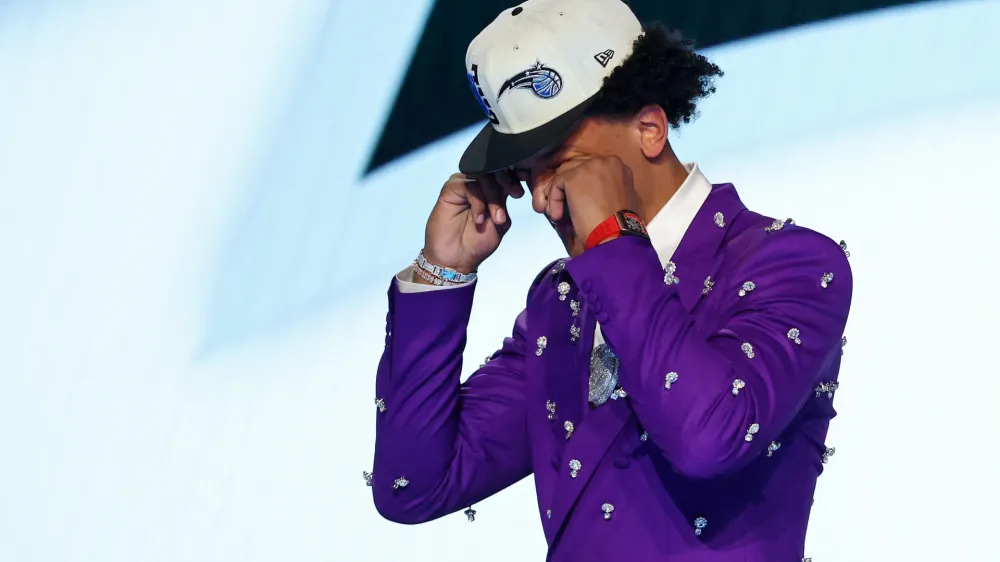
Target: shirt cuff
[[405, 284]]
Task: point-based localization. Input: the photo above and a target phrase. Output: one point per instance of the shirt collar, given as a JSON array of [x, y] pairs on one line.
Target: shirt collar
[[667, 228]]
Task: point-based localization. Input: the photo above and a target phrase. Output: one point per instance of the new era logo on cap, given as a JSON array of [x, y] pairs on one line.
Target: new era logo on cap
[[604, 57], [534, 69]]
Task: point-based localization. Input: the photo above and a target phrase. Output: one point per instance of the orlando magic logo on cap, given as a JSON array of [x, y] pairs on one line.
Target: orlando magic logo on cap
[[543, 81], [558, 50]]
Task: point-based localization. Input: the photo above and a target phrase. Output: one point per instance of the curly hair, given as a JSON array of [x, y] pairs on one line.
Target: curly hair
[[663, 70]]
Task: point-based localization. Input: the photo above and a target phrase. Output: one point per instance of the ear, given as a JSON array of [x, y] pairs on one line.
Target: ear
[[652, 125]]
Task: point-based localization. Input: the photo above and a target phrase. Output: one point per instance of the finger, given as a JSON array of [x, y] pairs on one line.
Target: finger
[[454, 190], [490, 190], [496, 188], [457, 180], [477, 201], [556, 203], [556, 200], [540, 196], [508, 186], [496, 199], [511, 183], [503, 227]]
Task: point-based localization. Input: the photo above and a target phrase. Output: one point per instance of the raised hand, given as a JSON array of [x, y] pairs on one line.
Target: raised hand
[[583, 192], [469, 220]]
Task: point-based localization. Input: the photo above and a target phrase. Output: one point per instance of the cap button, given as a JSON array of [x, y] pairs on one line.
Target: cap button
[[516, 11]]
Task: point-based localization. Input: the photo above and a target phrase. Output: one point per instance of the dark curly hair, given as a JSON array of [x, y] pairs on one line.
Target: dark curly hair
[[663, 70]]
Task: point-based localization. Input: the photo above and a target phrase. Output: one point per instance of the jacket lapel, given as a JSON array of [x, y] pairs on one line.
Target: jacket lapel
[[698, 257], [558, 381]]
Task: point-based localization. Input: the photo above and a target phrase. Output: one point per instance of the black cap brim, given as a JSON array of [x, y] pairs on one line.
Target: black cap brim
[[491, 151]]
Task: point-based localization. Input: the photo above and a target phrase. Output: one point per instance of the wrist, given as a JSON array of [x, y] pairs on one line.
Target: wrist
[[428, 272], [458, 267], [419, 279], [622, 223]]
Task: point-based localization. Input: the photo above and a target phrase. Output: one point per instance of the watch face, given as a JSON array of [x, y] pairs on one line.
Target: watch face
[[633, 224]]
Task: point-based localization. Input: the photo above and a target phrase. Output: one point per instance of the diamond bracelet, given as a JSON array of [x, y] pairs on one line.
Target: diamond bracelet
[[438, 273]]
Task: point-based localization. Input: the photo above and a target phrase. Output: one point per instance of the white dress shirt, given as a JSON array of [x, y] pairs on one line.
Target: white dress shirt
[[666, 230]]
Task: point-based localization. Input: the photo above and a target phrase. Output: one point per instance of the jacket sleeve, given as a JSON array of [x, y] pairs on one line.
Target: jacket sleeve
[[733, 389], [442, 445]]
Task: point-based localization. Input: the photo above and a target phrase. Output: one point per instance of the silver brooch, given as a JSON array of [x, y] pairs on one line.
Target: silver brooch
[[644, 436], [807, 559], [608, 509], [563, 289], [559, 266], [574, 468], [793, 335], [550, 406], [828, 453], [575, 307], [400, 482], [548, 514], [720, 220], [774, 446], [668, 273], [574, 333], [826, 280], [747, 287], [827, 388], [709, 284], [380, 404], [747, 349], [368, 477], [619, 393], [738, 385], [542, 342], [568, 426], [671, 379], [843, 246], [471, 514], [775, 226], [843, 342], [754, 428], [603, 378], [699, 524]]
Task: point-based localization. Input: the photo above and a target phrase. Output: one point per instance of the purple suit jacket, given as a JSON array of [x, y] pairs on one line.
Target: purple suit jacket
[[718, 465]]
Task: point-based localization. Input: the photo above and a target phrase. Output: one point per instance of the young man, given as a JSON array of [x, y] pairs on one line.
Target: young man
[[670, 385]]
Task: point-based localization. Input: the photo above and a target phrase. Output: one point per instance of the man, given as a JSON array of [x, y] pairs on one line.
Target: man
[[670, 385]]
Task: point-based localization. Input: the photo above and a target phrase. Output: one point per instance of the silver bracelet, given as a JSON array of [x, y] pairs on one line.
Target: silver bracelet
[[449, 276], [418, 272]]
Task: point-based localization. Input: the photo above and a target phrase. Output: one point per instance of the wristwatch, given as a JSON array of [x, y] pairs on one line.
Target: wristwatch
[[622, 223]]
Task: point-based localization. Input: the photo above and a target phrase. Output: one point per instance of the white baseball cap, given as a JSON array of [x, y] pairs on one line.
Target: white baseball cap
[[535, 71]]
